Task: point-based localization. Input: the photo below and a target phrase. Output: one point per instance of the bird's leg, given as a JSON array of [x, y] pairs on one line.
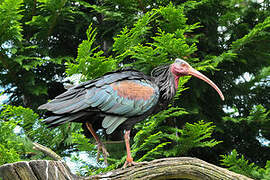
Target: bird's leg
[[129, 160], [100, 145]]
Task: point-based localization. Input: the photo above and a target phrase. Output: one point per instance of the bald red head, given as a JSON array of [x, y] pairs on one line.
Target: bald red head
[[182, 68]]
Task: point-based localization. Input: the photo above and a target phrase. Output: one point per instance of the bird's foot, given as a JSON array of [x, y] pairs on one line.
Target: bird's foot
[[129, 162], [101, 148]]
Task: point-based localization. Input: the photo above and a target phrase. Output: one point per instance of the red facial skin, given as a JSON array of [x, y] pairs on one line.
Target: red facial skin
[[182, 68]]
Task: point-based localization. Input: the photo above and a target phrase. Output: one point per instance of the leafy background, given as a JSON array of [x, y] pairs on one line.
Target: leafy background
[[46, 44]]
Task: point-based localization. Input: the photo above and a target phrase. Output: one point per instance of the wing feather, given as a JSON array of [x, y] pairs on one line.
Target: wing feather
[[115, 124], [70, 93], [70, 107], [102, 97], [108, 121], [108, 104]]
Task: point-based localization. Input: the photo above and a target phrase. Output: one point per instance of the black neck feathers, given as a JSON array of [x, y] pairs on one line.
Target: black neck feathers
[[165, 80]]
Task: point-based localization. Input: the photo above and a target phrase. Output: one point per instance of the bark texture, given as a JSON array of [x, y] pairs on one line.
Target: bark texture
[[36, 170], [168, 168]]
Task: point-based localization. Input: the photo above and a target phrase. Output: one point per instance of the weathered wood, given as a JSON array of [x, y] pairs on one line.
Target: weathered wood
[[172, 168], [168, 168], [37, 170]]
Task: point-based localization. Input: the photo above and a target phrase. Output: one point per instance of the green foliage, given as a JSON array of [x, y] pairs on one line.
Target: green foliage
[[88, 148], [264, 172], [10, 144], [192, 136], [151, 131], [173, 18], [52, 14], [242, 166], [258, 114], [30, 59], [129, 38], [258, 118], [24, 116], [21, 126], [173, 43], [238, 165], [11, 27], [90, 62], [14, 144], [167, 38], [257, 31], [81, 142], [155, 139]]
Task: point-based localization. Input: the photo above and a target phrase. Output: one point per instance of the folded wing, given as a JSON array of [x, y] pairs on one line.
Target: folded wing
[[115, 96]]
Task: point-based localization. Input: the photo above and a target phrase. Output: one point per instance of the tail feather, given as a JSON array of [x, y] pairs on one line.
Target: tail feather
[[56, 120], [55, 105]]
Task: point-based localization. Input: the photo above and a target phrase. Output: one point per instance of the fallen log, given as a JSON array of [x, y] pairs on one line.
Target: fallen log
[[167, 168]]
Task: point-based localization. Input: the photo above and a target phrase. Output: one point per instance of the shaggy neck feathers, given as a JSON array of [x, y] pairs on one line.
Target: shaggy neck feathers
[[166, 82]]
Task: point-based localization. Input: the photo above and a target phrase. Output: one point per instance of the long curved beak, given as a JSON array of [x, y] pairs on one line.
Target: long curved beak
[[199, 75]]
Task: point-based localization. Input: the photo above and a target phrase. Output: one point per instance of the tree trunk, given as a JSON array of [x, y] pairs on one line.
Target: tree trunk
[[168, 168]]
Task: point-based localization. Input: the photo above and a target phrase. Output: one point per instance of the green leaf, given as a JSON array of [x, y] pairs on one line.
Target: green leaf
[[238, 164], [90, 62], [10, 24]]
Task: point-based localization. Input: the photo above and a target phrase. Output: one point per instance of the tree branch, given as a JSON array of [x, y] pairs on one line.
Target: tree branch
[[171, 168], [46, 151], [168, 168]]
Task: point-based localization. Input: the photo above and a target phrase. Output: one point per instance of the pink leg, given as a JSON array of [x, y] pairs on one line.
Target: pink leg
[[129, 160], [101, 146]]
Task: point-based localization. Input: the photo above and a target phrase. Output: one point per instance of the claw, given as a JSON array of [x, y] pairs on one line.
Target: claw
[[129, 162], [101, 147]]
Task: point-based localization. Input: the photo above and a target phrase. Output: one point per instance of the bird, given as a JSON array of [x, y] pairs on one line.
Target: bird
[[120, 99]]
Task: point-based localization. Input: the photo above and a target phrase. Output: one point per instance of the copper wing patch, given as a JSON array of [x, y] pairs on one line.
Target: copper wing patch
[[133, 90]]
